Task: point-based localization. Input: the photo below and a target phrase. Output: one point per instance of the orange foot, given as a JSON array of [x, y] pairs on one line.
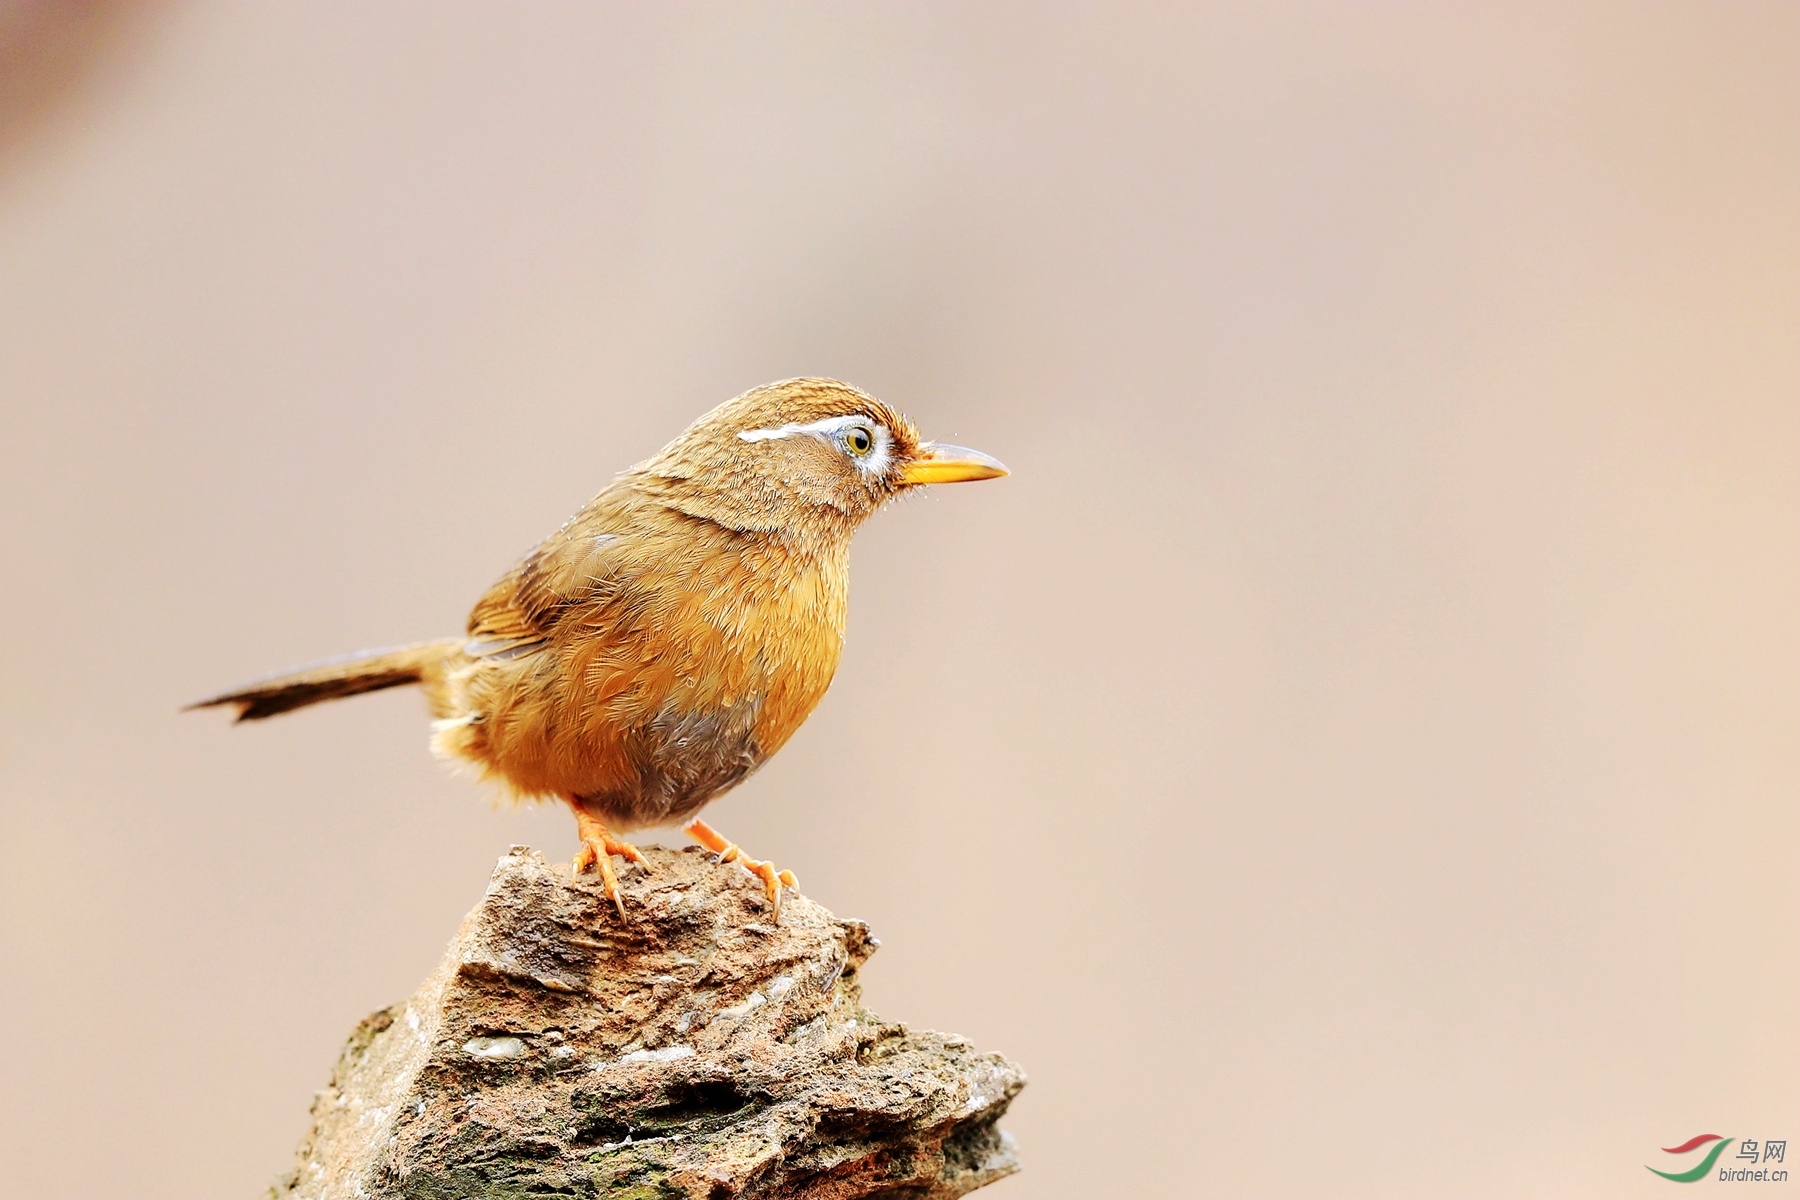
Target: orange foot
[[598, 845], [773, 880]]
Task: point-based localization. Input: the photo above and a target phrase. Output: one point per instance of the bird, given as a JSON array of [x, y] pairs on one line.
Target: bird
[[673, 634]]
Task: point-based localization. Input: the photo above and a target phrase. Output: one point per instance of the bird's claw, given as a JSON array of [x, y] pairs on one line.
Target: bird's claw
[[598, 846], [727, 851], [773, 881]]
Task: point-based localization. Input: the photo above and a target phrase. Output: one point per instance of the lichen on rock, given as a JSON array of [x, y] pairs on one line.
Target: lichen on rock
[[695, 1049]]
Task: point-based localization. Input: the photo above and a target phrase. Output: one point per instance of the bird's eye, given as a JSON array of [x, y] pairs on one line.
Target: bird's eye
[[859, 440]]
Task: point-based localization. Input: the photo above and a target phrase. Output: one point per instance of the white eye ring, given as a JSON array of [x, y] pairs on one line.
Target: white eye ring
[[859, 440]]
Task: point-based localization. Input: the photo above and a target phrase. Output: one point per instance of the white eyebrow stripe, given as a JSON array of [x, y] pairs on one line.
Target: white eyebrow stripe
[[828, 425]]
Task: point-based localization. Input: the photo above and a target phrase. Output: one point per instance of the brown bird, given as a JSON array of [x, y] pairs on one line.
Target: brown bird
[[674, 633]]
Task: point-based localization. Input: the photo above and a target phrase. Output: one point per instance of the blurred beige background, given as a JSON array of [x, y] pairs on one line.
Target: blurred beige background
[[1354, 755]]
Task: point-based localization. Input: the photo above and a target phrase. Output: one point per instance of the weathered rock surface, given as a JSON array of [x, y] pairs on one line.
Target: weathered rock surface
[[695, 1049]]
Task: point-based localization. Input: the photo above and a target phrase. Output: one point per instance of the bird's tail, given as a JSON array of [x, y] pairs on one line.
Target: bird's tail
[[345, 675]]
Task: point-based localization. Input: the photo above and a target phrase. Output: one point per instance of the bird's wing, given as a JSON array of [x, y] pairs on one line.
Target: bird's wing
[[574, 566]]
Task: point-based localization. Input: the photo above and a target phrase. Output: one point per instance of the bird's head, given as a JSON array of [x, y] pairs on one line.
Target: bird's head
[[803, 453]]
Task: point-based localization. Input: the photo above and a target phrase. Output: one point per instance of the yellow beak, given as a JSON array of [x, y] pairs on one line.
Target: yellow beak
[[950, 464]]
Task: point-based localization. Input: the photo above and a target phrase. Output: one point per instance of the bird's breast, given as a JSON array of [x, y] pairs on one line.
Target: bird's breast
[[743, 655], [772, 630], [684, 674]]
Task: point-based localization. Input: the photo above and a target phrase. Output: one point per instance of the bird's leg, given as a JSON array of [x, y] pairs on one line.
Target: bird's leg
[[598, 845], [773, 880]]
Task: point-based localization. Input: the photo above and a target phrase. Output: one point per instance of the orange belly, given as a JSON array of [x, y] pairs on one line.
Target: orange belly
[[682, 683]]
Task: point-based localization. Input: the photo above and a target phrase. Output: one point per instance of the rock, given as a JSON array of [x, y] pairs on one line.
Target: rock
[[695, 1049]]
